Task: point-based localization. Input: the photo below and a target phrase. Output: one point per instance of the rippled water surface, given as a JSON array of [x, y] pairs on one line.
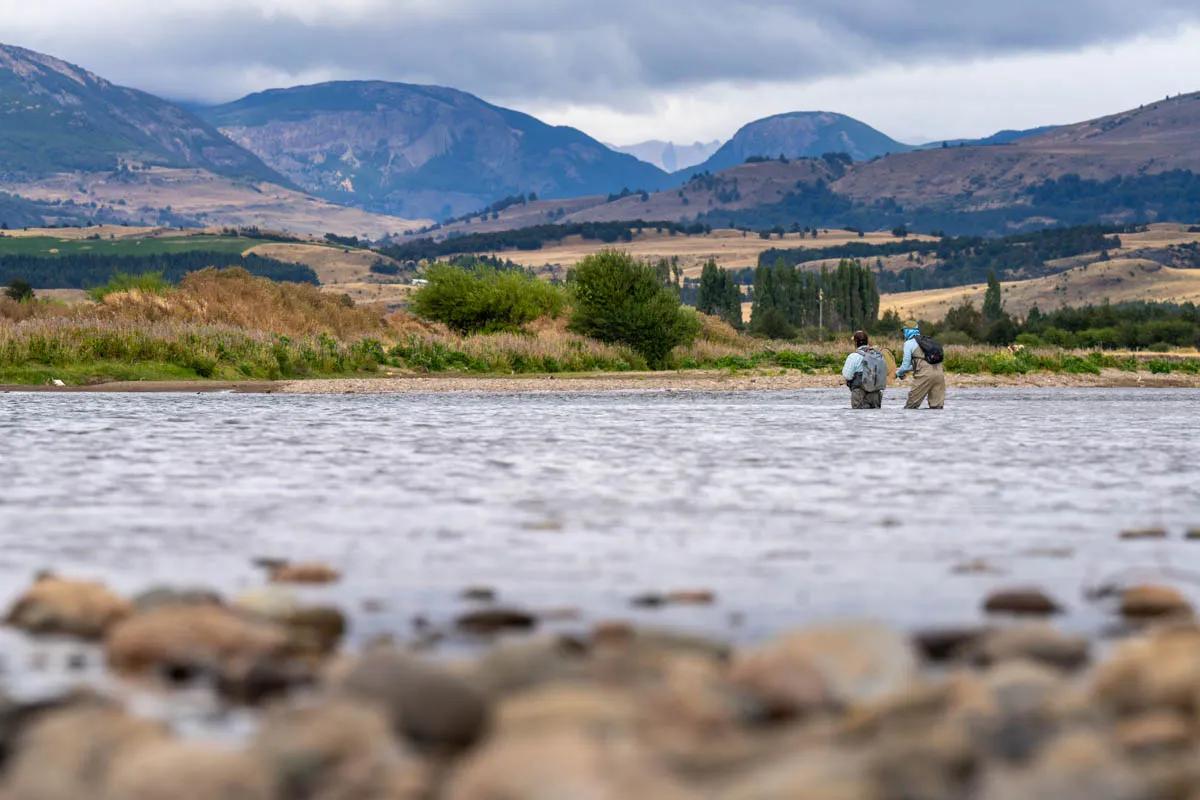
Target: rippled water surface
[[787, 505]]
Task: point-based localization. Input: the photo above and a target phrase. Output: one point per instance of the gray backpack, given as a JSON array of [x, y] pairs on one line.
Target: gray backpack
[[874, 371]]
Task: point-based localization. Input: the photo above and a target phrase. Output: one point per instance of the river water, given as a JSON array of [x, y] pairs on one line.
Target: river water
[[788, 506]]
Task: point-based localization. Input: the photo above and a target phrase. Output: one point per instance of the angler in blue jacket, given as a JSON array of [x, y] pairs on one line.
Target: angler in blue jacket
[[929, 380]]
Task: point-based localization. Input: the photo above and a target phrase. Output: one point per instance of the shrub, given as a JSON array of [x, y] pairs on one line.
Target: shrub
[[619, 299], [483, 299], [19, 290], [145, 282], [1159, 366]]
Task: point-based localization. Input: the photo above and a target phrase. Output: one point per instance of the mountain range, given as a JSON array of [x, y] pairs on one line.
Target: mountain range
[[375, 158], [669, 156], [424, 151], [57, 116]]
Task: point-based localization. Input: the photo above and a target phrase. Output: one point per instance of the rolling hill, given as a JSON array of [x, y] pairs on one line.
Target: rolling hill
[[802, 134], [423, 151], [57, 117], [1119, 280]]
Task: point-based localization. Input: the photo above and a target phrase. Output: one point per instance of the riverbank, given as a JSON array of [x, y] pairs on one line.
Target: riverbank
[[682, 381], [853, 710]]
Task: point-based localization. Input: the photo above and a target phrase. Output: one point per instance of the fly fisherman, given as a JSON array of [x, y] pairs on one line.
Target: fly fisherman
[[865, 372], [923, 358]]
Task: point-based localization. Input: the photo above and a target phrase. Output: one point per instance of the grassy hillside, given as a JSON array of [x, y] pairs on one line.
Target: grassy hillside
[[59, 117], [1115, 281]]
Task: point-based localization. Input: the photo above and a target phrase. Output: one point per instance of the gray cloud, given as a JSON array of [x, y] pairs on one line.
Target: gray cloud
[[611, 53]]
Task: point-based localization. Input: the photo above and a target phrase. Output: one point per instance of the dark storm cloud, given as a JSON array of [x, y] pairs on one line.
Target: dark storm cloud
[[610, 52]]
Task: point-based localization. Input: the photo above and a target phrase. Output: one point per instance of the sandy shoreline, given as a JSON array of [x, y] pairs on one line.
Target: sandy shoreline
[[692, 381]]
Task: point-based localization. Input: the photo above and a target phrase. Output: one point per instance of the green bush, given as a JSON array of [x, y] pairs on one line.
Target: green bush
[[1080, 366], [1159, 366], [619, 299], [484, 299], [149, 282]]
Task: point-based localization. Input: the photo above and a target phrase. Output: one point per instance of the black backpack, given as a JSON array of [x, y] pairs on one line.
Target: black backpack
[[932, 350]]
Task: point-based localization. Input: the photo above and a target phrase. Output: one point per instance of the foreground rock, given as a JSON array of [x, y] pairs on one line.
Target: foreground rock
[[431, 708], [337, 750], [827, 667], [76, 608], [248, 660]]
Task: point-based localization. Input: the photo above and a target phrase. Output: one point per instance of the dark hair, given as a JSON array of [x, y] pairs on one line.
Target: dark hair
[[860, 338]]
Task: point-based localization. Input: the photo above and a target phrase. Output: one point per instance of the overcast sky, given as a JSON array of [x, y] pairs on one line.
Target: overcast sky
[[627, 70]]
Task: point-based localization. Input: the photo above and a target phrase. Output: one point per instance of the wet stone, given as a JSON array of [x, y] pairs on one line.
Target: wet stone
[[946, 644], [59, 606], [334, 751], [1156, 732], [173, 770], [161, 596], [433, 708], [194, 640], [309, 572], [1035, 642], [478, 594], [1149, 600], [495, 620], [1032, 602], [1144, 533]]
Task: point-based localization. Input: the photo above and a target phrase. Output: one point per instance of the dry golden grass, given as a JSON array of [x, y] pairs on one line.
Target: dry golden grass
[[234, 298], [1117, 281], [333, 265], [729, 248], [104, 231]]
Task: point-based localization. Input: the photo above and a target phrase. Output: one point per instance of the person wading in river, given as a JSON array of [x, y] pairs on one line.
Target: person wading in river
[[865, 372], [923, 358]]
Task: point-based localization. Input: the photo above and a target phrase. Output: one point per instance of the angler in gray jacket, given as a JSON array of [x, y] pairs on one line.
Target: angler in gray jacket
[[866, 373]]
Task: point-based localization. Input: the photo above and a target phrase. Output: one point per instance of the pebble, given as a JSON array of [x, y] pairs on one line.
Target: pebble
[[434, 709], [826, 665], [310, 572], [68, 753], [478, 594], [1155, 732], [495, 620], [1149, 600], [1021, 601], [1144, 533], [1192, 535], [161, 596], [1034, 641], [336, 749], [945, 644], [176, 770], [59, 606], [199, 639]]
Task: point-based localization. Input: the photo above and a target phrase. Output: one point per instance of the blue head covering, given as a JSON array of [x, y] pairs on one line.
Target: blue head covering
[[911, 332]]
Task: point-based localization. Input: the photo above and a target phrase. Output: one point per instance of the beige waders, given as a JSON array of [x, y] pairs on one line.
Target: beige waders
[[929, 381]]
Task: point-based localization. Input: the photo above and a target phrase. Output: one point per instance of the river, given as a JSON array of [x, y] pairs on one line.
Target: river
[[786, 505]]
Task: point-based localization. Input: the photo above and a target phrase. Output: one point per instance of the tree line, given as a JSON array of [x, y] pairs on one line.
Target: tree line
[[86, 270], [533, 237], [787, 299], [962, 260]]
